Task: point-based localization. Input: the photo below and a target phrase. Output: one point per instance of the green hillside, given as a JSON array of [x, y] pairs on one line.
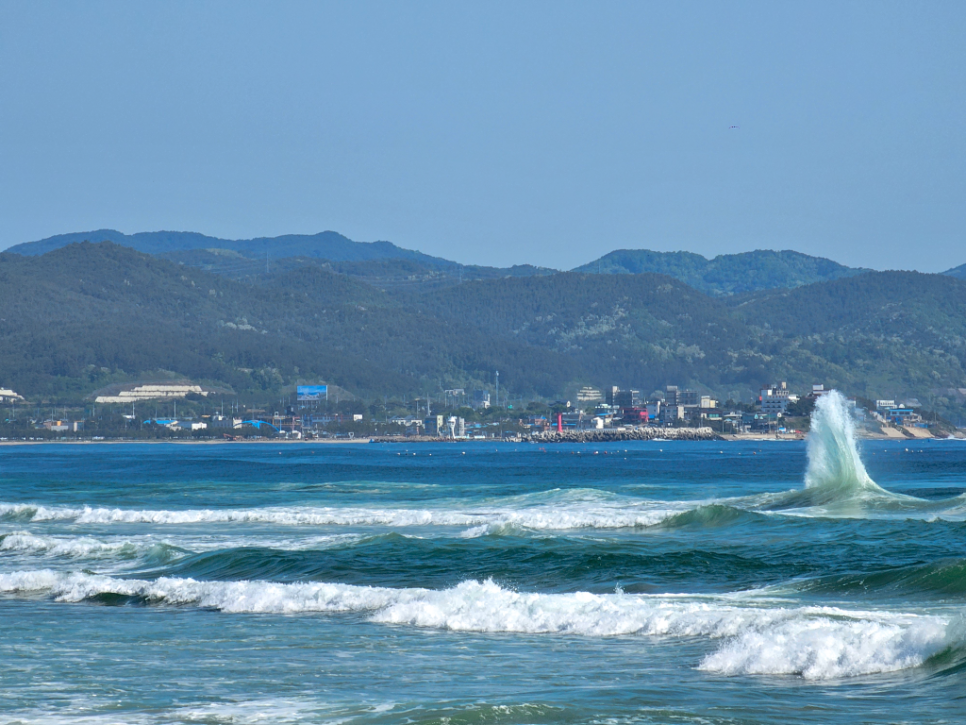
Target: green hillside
[[726, 274], [387, 273], [957, 272], [88, 315], [880, 334], [633, 330], [386, 266], [325, 245], [883, 334]]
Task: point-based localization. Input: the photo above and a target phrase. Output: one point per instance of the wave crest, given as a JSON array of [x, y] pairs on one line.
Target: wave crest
[[813, 642]]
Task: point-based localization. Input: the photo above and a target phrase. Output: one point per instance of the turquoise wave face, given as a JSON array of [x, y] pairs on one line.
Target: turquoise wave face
[[653, 582]]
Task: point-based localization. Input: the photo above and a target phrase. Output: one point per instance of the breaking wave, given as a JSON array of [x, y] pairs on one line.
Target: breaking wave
[[85, 547], [570, 512], [813, 642], [837, 483], [834, 464]]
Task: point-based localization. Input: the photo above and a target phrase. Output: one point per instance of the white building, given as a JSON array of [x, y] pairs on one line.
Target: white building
[[774, 400]]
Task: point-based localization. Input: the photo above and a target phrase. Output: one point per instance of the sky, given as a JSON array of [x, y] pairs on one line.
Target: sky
[[495, 133]]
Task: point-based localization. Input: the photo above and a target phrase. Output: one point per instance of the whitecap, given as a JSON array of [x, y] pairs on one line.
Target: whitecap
[[761, 638]]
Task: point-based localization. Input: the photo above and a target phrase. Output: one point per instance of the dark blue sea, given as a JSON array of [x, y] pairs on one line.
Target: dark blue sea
[[653, 582]]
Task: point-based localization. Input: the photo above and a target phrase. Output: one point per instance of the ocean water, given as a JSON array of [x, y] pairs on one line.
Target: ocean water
[[654, 582]]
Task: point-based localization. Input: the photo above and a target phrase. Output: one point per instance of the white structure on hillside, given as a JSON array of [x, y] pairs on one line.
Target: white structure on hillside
[[155, 391], [8, 396], [588, 394]]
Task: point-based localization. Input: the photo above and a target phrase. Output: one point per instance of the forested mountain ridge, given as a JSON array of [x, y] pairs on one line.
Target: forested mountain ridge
[[726, 274], [957, 272], [88, 315], [324, 245], [631, 330], [387, 266], [876, 330]]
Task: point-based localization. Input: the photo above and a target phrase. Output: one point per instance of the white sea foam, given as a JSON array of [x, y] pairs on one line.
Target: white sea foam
[[550, 516], [25, 543], [88, 711], [761, 638], [74, 547], [827, 647]]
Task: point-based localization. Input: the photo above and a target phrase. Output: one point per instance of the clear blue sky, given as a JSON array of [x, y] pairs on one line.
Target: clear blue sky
[[495, 133]]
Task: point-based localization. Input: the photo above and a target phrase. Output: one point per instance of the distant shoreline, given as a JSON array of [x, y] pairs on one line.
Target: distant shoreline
[[660, 435]]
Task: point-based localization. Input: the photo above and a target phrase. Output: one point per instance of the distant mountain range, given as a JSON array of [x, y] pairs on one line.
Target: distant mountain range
[[726, 274], [385, 265], [325, 245], [957, 272], [88, 315]]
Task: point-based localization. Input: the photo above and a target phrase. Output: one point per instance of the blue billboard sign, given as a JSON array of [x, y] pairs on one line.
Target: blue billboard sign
[[312, 392]]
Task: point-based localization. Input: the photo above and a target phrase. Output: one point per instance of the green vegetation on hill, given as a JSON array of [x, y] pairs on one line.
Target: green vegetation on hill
[[325, 245], [386, 266], [632, 330], [386, 273], [726, 274], [957, 272], [88, 315], [884, 334]]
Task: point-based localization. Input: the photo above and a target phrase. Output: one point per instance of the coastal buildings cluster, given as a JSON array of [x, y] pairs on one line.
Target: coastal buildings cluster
[[458, 414]]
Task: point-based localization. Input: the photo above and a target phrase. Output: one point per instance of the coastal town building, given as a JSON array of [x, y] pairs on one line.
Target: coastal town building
[[774, 399], [481, 399], [620, 398], [435, 425], [903, 416]]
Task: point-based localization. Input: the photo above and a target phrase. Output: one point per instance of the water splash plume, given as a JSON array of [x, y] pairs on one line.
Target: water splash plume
[[834, 465]]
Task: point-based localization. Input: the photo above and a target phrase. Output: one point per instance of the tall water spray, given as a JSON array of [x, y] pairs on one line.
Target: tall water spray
[[834, 465]]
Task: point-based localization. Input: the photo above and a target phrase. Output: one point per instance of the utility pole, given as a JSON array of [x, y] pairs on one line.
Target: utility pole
[[498, 388]]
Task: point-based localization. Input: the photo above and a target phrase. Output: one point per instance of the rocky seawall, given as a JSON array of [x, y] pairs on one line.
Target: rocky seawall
[[648, 433]]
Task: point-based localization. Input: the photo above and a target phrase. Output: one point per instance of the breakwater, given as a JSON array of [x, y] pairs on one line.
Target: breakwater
[[647, 433]]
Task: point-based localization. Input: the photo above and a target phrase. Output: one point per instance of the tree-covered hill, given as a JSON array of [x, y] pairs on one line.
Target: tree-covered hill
[[880, 334], [957, 272], [726, 274], [386, 266], [885, 334], [387, 273], [325, 245], [88, 315], [642, 330]]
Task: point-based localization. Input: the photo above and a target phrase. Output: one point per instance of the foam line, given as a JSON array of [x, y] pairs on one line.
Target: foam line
[[541, 517], [813, 642]]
